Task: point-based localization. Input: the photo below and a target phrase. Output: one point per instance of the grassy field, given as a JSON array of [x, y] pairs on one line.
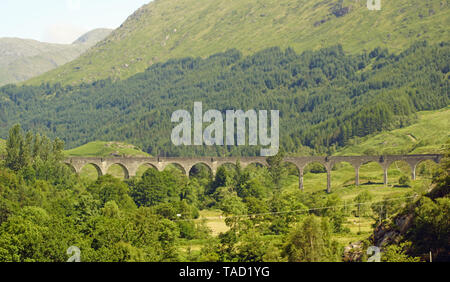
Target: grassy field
[[429, 132], [371, 179], [360, 229], [426, 136], [168, 29], [343, 185], [214, 221], [106, 149]]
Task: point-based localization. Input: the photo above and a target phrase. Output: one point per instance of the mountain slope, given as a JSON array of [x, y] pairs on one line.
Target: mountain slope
[[92, 37], [22, 59], [325, 98], [426, 136], [165, 29]]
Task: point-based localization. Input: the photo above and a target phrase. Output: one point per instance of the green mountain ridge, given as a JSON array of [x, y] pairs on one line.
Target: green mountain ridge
[[93, 37], [325, 98], [426, 136], [166, 29], [22, 59]]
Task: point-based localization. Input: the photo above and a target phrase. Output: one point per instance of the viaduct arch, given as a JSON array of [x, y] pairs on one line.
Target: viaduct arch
[[131, 165]]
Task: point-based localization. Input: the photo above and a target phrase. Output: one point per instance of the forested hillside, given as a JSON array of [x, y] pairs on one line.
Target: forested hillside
[[345, 80], [427, 135], [325, 97], [421, 229], [164, 216], [167, 29]]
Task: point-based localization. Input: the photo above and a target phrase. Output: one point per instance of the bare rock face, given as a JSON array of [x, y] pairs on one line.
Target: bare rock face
[[386, 235], [404, 222], [354, 252]]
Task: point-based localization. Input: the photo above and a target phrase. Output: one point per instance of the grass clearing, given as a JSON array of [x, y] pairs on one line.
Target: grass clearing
[[106, 149], [371, 179], [360, 229], [426, 136], [214, 221]]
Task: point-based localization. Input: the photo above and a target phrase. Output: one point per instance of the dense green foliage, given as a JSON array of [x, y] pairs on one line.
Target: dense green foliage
[[45, 208], [346, 89], [325, 97], [431, 226], [2, 146], [427, 222], [311, 242]]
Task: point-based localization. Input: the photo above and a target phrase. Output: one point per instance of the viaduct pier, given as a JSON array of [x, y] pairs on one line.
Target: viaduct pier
[[130, 165]]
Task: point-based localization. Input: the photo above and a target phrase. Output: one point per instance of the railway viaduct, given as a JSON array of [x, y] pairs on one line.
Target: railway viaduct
[[130, 165]]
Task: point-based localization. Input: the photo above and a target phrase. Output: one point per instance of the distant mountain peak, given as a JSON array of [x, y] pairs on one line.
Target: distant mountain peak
[[22, 59], [93, 36]]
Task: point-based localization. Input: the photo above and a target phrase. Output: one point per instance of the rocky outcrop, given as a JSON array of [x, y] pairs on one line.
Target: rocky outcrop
[[386, 234], [354, 252]]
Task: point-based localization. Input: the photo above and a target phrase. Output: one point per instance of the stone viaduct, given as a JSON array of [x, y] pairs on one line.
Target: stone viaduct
[[130, 165]]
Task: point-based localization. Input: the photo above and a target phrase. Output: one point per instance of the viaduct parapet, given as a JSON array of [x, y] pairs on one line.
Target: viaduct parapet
[[130, 165]]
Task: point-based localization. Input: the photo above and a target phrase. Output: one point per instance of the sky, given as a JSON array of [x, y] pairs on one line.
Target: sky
[[62, 21]]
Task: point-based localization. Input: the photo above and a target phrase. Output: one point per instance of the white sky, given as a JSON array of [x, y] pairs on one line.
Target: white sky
[[62, 21]]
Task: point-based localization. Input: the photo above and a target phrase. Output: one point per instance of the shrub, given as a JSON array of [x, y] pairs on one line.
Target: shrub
[[404, 181]]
